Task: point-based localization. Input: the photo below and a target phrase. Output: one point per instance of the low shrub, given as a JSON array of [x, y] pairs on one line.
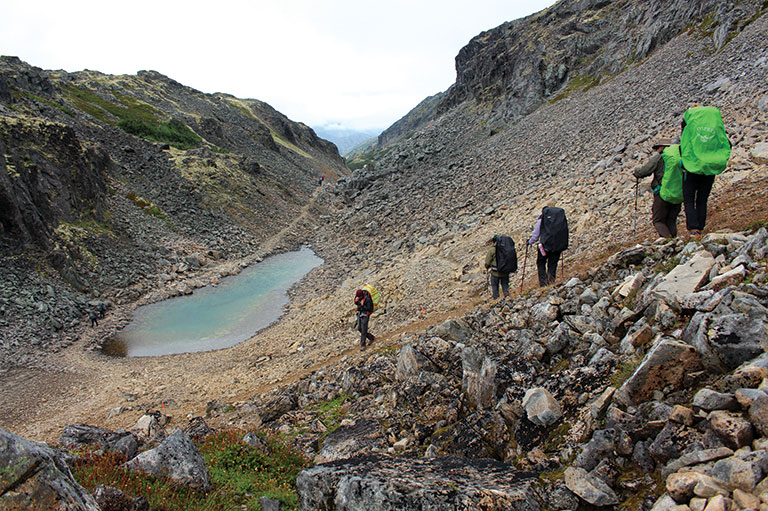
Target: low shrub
[[173, 132]]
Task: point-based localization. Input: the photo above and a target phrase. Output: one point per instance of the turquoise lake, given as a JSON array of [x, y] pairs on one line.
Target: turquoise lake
[[216, 317]]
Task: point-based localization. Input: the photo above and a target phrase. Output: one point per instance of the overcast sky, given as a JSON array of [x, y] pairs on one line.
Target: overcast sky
[[361, 64]]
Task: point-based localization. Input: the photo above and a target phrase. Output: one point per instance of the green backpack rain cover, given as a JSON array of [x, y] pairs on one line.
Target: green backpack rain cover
[[672, 180], [705, 146]]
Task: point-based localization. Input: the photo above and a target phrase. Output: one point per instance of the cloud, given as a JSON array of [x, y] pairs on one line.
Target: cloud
[[360, 63]]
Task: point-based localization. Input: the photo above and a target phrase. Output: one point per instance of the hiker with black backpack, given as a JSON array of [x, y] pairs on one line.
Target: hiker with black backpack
[[364, 304], [500, 260], [667, 187], [705, 151], [551, 231]]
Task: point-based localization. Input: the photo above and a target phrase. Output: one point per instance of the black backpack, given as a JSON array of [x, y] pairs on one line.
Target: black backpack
[[554, 229], [506, 255]]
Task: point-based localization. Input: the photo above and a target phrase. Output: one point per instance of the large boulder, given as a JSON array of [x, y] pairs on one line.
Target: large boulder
[[378, 483], [178, 458], [453, 330], [665, 365], [734, 333], [685, 278], [78, 435], [479, 378], [349, 440], [541, 407], [35, 477], [589, 488]]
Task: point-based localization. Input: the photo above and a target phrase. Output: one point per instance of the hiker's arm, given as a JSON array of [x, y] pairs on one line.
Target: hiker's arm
[[536, 232], [648, 169], [489, 259]]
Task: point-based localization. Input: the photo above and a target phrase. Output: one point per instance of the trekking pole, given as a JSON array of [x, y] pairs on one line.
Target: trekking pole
[[525, 261], [562, 269], [637, 185]]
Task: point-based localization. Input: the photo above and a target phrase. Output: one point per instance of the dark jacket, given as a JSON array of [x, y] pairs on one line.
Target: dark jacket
[[365, 305]]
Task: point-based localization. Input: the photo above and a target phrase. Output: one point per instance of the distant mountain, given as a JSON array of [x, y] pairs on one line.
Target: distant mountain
[[345, 139]]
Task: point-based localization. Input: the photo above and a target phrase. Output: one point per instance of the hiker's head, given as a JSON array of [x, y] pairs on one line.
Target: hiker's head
[[359, 294], [663, 143], [493, 240]]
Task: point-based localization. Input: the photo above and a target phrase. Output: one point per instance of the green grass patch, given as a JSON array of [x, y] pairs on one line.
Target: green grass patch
[[82, 229], [133, 116], [149, 208], [249, 473], [173, 132], [240, 475], [579, 82], [108, 111], [667, 265], [556, 438], [624, 371], [332, 412]]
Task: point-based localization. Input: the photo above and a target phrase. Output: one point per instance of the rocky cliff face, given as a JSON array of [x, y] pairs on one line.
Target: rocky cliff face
[[516, 67], [113, 181]]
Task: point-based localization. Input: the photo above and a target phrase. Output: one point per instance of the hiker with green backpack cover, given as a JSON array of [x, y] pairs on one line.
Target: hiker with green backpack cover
[[667, 186], [705, 151]]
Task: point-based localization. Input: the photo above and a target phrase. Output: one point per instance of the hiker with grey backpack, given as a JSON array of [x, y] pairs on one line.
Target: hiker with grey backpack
[[551, 232], [500, 261]]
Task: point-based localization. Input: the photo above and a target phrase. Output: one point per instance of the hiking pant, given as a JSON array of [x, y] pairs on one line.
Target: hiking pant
[[696, 188], [547, 265], [664, 217], [495, 281], [362, 326]]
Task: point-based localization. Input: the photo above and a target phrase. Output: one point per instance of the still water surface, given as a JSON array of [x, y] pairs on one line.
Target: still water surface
[[216, 317]]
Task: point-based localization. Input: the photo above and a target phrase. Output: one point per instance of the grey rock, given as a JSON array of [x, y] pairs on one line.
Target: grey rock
[[601, 445], [409, 362], [758, 414], [456, 330], [401, 484], [759, 153], [589, 488], [178, 458], [732, 429], [709, 400], [736, 473], [364, 435], [257, 443], [268, 504], [113, 499], [34, 476], [666, 364], [685, 278], [79, 435], [696, 458], [541, 407], [478, 380]]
